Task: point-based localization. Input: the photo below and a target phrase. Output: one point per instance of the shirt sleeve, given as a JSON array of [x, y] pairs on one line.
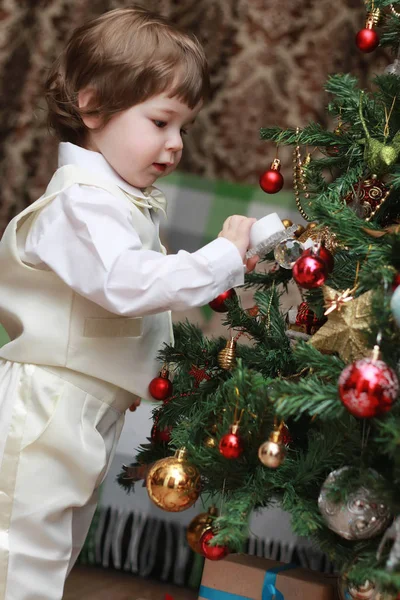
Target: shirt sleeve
[[87, 237]]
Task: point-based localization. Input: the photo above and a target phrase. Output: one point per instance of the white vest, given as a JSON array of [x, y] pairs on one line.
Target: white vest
[[49, 324]]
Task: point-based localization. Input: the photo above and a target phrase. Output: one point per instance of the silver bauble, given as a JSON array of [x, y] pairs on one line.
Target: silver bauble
[[394, 68], [363, 515], [391, 534], [367, 591]]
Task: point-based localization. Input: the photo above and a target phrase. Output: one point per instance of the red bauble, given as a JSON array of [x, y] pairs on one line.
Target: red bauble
[[160, 387], [324, 254], [368, 388], [212, 552], [310, 271], [219, 303], [396, 281], [161, 436], [367, 40], [332, 151], [286, 438], [272, 181], [367, 197], [231, 445], [307, 317]]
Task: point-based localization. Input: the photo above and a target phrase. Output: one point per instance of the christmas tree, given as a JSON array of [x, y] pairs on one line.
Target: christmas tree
[[304, 408]]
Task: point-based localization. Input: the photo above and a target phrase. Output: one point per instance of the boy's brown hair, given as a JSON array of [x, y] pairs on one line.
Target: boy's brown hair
[[126, 56]]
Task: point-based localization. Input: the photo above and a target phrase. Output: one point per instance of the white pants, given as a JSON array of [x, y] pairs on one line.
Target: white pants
[[58, 434]]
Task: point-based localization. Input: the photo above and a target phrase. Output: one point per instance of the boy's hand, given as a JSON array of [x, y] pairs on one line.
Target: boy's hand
[[136, 402], [251, 263], [236, 229]]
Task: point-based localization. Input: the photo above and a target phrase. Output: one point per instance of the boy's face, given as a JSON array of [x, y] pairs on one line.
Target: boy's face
[[144, 142]]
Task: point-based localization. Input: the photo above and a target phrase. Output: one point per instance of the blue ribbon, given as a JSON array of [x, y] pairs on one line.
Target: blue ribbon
[[210, 594], [269, 591]]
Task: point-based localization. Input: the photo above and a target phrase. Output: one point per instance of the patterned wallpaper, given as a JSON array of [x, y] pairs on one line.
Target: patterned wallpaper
[[269, 60]]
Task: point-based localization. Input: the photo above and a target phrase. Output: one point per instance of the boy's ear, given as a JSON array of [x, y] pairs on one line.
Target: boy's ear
[[85, 100]]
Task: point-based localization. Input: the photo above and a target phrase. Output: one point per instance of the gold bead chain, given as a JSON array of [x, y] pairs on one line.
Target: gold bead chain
[[394, 11], [298, 179]]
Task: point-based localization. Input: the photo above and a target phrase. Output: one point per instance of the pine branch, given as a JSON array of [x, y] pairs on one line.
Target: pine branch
[[269, 278], [308, 396]]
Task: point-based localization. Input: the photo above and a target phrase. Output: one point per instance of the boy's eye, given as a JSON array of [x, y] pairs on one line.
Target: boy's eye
[[160, 124], [184, 131]]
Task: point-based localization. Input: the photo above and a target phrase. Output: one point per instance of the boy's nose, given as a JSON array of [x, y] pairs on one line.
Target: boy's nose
[[175, 143]]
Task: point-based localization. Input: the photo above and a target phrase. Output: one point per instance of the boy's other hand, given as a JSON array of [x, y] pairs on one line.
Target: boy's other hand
[[251, 263], [236, 229], [136, 402]]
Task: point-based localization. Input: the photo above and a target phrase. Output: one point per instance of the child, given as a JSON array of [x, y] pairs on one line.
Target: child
[[86, 288]]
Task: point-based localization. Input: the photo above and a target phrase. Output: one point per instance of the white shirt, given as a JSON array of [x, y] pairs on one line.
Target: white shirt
[[86, 236]]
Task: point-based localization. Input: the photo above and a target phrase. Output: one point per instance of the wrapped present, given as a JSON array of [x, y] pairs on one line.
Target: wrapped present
[[243, 577]]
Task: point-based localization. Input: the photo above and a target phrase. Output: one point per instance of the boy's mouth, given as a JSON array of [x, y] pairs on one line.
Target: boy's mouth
[[160, 166]]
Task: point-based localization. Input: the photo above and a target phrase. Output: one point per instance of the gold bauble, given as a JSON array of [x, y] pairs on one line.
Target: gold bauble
[[227, 356], [172, 483], [309, 230], [272, 452], [198, 526], [299, 231], [311, 225], [210, 442], [213, 428]]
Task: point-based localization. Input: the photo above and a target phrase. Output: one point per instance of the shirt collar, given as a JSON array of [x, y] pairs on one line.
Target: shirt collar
[[70, 154]]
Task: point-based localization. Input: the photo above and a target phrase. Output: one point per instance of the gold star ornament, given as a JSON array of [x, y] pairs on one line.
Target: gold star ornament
[[343, 332]]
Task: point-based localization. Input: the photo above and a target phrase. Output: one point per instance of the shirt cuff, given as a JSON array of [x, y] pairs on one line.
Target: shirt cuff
[[225, 263]]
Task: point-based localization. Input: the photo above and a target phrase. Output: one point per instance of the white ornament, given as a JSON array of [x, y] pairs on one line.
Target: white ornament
[[266, 233]]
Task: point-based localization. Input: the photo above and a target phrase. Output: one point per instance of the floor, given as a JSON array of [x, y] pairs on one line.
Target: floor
[[91, 583]]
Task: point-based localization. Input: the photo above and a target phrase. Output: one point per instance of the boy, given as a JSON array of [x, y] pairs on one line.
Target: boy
[[86, 288]]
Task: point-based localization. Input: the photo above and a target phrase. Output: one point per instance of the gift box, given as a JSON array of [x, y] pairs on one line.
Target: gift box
[[243, 577]]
